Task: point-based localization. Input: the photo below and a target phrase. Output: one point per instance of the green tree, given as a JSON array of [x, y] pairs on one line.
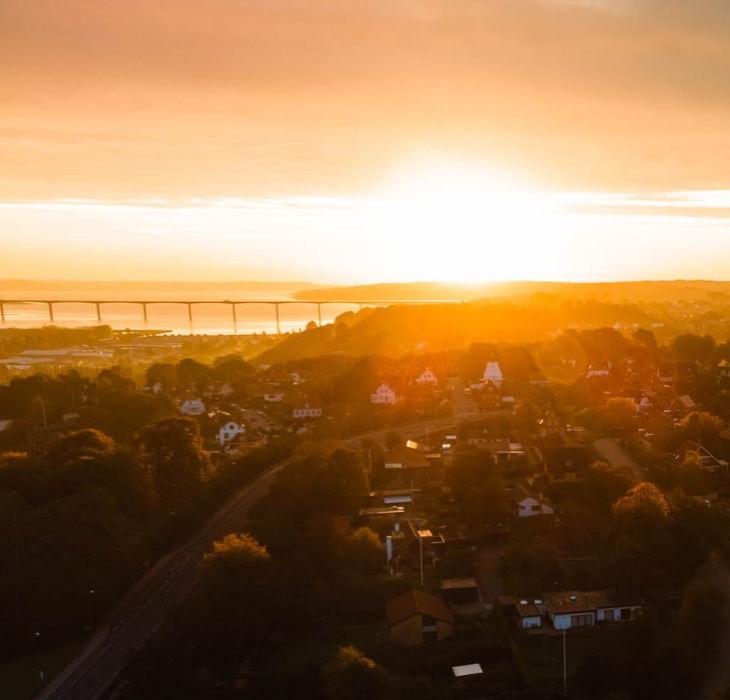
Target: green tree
[[240, 600], [351, 675], [171, 450]]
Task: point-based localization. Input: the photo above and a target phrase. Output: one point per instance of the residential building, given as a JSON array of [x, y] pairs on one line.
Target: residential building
[[493, 374], [383, 395], [571, 609], [229, 431], [526, 504], [307, 410], [708, 461], [192, 407], [417, 617], [427, 377]]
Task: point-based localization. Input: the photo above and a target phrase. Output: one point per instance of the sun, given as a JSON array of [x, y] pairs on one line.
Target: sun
[[462, 222]]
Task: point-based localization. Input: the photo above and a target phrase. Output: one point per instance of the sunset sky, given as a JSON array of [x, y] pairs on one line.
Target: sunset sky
[[365, 140]]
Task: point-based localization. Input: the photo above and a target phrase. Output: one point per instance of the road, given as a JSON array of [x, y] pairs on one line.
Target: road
[[610, 449], [144, 609]]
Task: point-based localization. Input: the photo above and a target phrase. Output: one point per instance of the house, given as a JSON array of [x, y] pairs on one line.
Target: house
[[306, 410], [529, 613], [563, 459], [694, 450], [461, 592], [413, 463], [599, 369], [192, 407], [229, 431], [493, 374], [226, 390], [571, 609], [383, 395], [682, 405], [417, 617], [526, 504], [427, 377], [508, 454], [723, 369], [274, 396]]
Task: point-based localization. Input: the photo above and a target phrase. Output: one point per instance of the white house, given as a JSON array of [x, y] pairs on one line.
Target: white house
[[493, 373], [570, 609], [383, 395], [307, 411], [427, 377], [527, 505], [274, 396], [229, 431], [192, 407], [600, 369]]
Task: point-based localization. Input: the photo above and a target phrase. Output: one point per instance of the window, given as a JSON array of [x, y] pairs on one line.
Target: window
[[609, 615], [581, 620]]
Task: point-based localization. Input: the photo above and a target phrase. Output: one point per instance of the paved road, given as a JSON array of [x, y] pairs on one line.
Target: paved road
[[611, 450], [94, 671]]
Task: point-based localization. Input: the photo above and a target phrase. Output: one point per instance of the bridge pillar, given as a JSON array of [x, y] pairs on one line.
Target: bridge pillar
[[50, 310], [144, 311], [190, 311], [278, 325], [2, 312], [98, 311], [235, 315], [319, 313]]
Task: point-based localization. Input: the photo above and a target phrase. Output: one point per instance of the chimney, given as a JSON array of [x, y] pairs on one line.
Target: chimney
[[388, 549]]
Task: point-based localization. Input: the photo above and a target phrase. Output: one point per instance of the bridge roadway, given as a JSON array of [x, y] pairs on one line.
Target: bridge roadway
[[94, 671], [276, 303]]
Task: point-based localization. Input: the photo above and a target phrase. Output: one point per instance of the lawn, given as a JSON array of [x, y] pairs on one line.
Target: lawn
[[20, 679], [543, 654]]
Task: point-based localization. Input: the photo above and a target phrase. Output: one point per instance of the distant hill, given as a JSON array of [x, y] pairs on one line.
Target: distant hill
[[533, 312], [647, 291]]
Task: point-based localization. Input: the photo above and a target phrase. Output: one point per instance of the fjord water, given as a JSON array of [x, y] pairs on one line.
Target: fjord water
[[208, 318]]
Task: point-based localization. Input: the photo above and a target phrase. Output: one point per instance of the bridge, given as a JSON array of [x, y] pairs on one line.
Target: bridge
[[98, 304]]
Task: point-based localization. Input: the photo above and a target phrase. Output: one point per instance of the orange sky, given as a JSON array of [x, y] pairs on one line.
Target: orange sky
[[128, 101]]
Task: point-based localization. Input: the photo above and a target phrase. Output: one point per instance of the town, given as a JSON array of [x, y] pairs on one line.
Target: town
[[486, 522]]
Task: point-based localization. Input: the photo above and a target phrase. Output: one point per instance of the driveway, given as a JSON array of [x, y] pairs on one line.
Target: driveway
[[610, 450]]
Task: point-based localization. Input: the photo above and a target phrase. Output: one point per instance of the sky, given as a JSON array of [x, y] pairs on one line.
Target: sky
[[364, 140]]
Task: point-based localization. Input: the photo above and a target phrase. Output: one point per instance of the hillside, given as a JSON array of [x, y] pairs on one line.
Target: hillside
[[647, 291], [398, 329]]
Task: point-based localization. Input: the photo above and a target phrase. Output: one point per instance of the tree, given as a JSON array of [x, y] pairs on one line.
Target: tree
[[605, 484], [471, 467], [526, 417], [703, 427], [171, 450], [644, 508], [351, 675], [645, 338], [162, 373], [393, 440], [240, 600], [700, 619], [619, 415], [693, 348]]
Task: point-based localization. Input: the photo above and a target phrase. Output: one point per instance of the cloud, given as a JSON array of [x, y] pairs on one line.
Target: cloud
[[244, 98]]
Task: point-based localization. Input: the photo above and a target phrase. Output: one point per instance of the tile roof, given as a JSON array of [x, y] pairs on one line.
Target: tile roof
[[417, 603]]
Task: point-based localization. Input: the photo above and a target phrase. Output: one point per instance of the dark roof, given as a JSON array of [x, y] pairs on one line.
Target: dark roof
[[528, 608], [562, 602], [417, 603]]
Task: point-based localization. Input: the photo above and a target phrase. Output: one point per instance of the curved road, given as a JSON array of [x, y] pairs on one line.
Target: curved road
[[143, 610]]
